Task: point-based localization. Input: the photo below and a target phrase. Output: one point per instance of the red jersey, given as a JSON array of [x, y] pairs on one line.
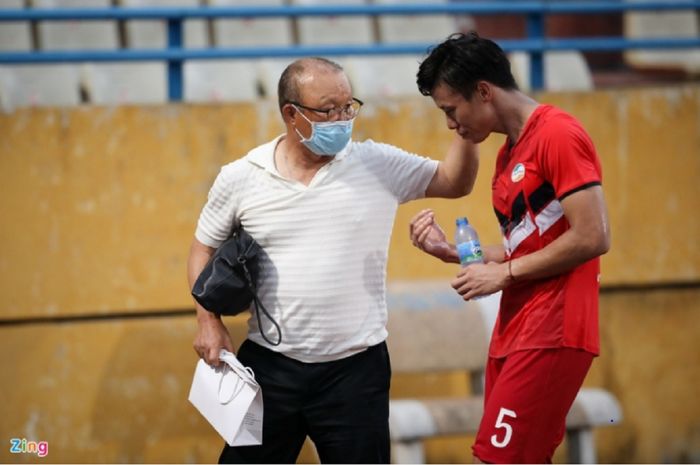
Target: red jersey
[[553, 158]]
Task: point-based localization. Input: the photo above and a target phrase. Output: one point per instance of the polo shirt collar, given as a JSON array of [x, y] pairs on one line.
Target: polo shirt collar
[[264, 155]]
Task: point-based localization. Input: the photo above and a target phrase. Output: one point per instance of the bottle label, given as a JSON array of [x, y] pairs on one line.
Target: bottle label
[[469, 252]]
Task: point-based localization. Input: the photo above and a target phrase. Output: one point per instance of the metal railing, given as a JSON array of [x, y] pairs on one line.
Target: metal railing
[[535, 44]]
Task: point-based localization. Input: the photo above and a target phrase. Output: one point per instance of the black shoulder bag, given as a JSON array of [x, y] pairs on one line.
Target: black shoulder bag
[[227, 284]]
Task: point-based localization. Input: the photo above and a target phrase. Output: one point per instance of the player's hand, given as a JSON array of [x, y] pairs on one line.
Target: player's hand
[[481, 279], [427, 235]]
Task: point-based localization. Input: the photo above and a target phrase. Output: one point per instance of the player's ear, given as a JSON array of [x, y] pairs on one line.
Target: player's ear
[[484, 90]]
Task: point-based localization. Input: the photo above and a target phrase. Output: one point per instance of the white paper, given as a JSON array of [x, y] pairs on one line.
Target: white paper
[[230, 399]]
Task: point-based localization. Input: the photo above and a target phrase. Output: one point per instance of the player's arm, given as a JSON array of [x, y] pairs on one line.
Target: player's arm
[[456, 174], [571, 165], [494, 253], [427, 235], [588, 237]]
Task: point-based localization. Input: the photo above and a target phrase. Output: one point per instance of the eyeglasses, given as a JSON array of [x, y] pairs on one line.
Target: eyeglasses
[[348, 111]]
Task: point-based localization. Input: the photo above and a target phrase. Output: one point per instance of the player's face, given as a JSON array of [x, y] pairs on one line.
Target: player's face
[[469, 118]]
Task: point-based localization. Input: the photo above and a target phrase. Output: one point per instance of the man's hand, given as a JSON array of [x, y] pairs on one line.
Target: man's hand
[[212, 336], [428, 236]]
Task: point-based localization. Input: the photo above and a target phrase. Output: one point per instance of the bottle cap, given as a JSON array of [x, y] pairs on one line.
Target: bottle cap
[[462, 220]]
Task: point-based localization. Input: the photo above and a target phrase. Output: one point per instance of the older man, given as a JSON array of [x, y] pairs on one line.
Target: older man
[[322, 207]]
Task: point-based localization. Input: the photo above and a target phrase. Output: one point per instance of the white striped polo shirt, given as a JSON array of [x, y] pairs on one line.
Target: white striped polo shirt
[[323, 276]]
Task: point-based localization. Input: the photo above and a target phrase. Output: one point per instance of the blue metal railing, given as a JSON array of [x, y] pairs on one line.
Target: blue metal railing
[[535, 43]]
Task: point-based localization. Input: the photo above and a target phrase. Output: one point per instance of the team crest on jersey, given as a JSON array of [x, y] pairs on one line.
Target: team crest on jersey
[[518, 173]]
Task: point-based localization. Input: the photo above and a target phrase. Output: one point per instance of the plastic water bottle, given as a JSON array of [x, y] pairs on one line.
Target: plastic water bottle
[[467, 242]]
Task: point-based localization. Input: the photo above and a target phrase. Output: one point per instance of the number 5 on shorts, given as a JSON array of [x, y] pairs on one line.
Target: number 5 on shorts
[[501, 424]]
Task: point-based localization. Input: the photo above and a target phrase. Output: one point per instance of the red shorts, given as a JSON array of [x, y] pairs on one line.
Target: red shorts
[[527, 396]]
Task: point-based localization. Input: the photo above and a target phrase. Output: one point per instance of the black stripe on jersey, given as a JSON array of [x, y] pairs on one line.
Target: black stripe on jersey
[[517, 210], [579, 188], [502, 219], [541, 197], [517, 213]]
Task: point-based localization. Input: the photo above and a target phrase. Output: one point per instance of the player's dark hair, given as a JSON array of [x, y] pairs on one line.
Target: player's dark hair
[[463, 60]]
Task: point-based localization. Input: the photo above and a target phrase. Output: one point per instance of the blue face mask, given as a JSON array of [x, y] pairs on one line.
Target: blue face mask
[[328, 137]]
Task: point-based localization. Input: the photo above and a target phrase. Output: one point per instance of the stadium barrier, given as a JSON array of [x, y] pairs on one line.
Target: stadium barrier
[[535, 44]]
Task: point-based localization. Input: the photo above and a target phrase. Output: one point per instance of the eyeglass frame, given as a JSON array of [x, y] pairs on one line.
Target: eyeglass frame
[[327, 112]]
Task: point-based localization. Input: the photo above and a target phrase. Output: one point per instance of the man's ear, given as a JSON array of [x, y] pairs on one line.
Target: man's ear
[[288, 113], [484, 91]]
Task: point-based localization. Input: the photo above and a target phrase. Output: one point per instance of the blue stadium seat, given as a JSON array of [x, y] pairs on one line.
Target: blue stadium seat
[[14, 36], [679, 23]]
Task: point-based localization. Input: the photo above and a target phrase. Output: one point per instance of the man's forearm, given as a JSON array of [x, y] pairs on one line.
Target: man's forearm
[[198, 259], [456, 174], [462, 163]]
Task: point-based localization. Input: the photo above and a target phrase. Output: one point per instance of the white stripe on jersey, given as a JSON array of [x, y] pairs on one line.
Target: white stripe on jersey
[[548, 216], [543, 221], [519, 233]]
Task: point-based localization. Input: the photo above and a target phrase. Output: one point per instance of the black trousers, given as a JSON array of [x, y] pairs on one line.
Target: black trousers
[[343, 406]]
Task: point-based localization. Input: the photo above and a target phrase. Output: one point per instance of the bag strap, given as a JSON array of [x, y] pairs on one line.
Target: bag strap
[[240, 384], [259, 305], [242, 377]]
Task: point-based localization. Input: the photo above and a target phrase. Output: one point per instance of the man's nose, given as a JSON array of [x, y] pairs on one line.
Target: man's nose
[[451, 124], [339, 116]]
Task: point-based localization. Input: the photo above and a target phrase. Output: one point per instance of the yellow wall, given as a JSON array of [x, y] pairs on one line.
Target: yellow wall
[[98, 209]]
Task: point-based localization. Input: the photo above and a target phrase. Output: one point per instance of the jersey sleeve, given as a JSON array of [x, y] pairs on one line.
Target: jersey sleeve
[[569, 160], [405, 174]]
